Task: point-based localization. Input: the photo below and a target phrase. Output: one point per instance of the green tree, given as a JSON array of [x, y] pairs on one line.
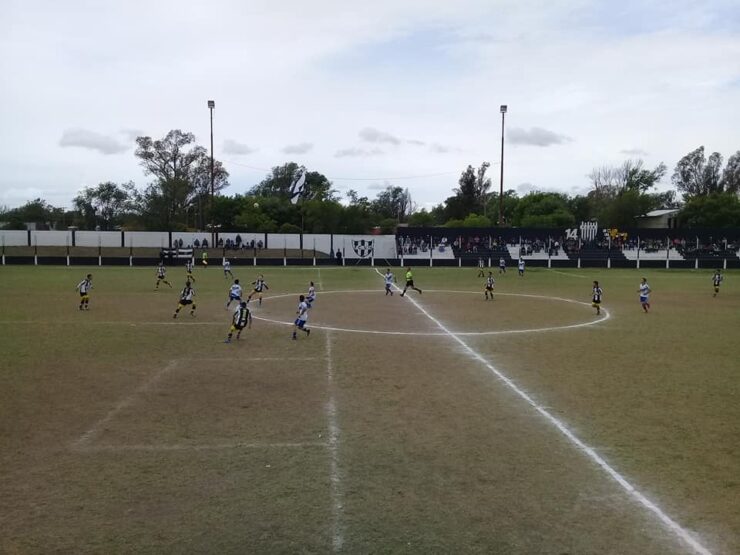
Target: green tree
[[731, 174], [392, 202], [106, 204], [695, 175], [182, 172], [509, 205], [539, 209], [715, 210], [472, 189], [280, 179], [421, 218], [474, 220]]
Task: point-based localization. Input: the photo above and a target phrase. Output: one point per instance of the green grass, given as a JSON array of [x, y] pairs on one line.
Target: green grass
[[123, 430]]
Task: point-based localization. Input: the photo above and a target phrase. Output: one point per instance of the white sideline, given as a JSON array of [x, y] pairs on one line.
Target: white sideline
[[198, 447], [671, 524], [333, 445], [127, 401], [568, 274]]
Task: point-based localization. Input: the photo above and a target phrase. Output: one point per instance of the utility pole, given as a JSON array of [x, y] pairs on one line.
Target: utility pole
[[501, 187], [211, 106]]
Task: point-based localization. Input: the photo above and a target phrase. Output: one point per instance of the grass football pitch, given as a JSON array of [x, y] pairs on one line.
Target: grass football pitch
[[435, 423]]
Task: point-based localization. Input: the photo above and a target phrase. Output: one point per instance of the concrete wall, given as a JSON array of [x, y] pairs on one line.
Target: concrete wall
[[51, 238], [14, 238], [95, 238]]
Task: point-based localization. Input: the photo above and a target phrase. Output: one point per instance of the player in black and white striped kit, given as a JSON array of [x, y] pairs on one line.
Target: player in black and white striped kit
[[490, 282], [84, 288], [259, 287], [186, 299]]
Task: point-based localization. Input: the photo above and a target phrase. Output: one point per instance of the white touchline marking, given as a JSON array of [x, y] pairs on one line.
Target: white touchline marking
[[197, 447], [567, 274], [333, 445], [671, 524], [251, 359], [126, 402]]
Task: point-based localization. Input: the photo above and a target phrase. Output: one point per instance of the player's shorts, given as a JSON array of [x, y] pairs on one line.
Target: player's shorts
[[235, 327], [643, 299], [409, 283], [387, 286], [300, 323], [489, 287], [716, 288], [185, 302], [83, 295], [595, 303], [257, 290], [234, 297]]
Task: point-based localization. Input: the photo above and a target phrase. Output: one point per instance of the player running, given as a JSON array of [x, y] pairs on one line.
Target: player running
[[389, 279], [259, 287], [521, 267], [596, 298], [84, 288], [717, 280], [189, 267], [227, 268], [242, 318], [502, 265], [490, 282], [235, 293], [645, 295], [186, 299], [409, 282], [311, 295], [162, 275], [300, 321]]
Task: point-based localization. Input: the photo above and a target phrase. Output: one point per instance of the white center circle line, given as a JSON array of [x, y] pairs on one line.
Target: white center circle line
[[604, 317]]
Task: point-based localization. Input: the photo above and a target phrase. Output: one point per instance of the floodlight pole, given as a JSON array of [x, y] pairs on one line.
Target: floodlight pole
[[501, 185], [211, 106]]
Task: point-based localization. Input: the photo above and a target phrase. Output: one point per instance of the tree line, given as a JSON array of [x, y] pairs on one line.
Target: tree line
[[178, 198]]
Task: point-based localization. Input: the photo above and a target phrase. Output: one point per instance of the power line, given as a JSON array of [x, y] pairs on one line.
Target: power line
[[419, 176]]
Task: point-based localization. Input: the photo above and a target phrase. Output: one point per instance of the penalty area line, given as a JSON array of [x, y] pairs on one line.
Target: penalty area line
[[636, 494]]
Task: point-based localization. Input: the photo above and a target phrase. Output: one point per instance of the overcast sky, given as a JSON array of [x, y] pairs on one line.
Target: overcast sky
[[372, 91]]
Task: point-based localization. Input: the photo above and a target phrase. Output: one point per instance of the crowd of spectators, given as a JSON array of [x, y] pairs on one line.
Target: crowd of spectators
[[412, 245]]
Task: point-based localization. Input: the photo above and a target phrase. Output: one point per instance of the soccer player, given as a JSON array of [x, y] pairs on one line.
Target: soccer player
[[645, 295], [235, 293], [716, 280], [409, 282], [311, 295], [84, 288], [481, 265], [186, 299], [300, 322], [189, 271], [502, 265], [227, 268], [596, 298], [521, 267], [389, 279], [242, 318], [490, 282], [259, 287], [204, 259], [162, 275]]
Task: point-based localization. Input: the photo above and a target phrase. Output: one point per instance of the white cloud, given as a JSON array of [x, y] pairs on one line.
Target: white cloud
[[300, 148], [235, 148], [132, 134], [634, 152], [91, 140], [536, 136], [443, 149], [348, 152], [416, 142], [372, 135]]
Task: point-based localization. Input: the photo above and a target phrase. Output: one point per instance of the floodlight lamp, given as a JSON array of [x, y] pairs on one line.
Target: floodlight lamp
[[211, 104], [503, 108]]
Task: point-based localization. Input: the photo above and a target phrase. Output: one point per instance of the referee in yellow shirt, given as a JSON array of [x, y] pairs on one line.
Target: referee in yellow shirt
[[409, 282]]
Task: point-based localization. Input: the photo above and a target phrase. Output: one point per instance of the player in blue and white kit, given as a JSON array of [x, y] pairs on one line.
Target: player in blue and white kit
[[521, 267], [300, 321], [235, 293], [227, 268], [389, 278], [502, 265], [311, 295], [645, 294]]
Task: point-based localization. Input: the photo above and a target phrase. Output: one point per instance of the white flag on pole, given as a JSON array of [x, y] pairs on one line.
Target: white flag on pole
[[296, 189]]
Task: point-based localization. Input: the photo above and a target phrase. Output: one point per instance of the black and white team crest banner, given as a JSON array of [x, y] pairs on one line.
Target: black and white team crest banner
[[363, 247], [297, 187]]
